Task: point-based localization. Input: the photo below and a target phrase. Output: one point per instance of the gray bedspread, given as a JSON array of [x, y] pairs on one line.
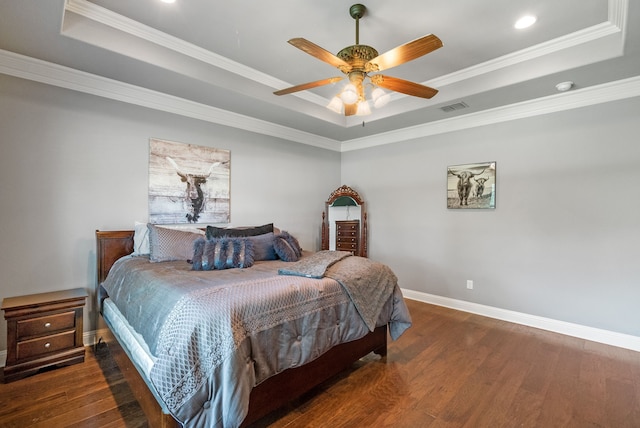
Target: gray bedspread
[[355, 274], [217, 334]]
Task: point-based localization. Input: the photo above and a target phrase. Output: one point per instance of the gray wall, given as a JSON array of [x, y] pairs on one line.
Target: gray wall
[[563, 241], [72, 163]]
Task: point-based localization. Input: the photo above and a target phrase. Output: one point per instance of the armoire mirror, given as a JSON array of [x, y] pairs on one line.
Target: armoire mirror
[[344, 222]]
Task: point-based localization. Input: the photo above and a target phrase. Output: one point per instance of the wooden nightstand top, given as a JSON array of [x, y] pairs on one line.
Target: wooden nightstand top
[[36, 300]]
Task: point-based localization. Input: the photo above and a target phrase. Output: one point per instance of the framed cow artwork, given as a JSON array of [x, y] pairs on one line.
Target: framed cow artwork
[[188, 183], [471, 186]]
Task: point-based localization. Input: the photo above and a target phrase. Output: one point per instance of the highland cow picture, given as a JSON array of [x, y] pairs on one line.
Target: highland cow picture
[[187, 183], [471, 186]]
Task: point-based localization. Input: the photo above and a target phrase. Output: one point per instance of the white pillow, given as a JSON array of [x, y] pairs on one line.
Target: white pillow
[[140, 239]]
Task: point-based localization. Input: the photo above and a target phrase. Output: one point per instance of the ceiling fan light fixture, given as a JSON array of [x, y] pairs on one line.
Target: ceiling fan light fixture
[[363, 108], [349, 94], [336, 104], [379, 97], [357, 61]]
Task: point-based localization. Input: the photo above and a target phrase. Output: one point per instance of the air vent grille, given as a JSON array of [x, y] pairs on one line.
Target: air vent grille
[[454, 107]]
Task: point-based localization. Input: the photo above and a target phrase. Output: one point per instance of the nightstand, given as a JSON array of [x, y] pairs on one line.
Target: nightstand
[[43, 330]]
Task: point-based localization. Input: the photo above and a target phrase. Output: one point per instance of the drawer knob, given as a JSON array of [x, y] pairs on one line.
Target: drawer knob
[[47, 324], [47, 345]]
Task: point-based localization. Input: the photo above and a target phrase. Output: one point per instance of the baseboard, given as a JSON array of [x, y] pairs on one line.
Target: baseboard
[[576, 330]]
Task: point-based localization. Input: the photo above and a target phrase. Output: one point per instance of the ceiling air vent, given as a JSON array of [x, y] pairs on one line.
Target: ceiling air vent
[[454, 107]]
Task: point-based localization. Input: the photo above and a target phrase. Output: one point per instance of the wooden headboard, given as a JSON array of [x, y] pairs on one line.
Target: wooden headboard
[[110, 246]]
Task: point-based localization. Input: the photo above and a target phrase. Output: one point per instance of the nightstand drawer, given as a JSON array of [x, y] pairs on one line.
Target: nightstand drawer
[[46, 324], [44, 345]]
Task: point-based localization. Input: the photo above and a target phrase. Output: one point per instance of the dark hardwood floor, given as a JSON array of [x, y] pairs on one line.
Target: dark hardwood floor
[[451, 369]]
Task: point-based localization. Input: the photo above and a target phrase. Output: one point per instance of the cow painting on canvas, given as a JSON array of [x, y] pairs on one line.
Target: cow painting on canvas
[[194, 196], [187, 183], [471, 185]]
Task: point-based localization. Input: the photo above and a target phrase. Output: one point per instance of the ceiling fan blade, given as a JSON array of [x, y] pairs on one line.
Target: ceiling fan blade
[[404, 86], [320, 53], [309, 85], [350, 109], [404, 53]]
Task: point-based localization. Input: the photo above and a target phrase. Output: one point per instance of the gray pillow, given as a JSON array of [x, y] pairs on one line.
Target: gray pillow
[[222, 253], [170, 244], [293, 242], [263, 247], [284, 249], [218, 232]]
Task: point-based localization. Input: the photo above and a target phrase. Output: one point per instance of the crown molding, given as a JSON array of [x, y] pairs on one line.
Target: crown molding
[[56, 75], [617, 18], [595, 32], [607, 92], [64, 77], [101, 15]]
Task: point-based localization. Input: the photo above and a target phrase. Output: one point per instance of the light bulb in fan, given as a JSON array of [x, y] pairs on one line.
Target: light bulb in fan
[[349, 94]]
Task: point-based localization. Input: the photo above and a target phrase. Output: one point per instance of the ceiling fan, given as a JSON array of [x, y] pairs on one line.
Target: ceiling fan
[[357, 61]]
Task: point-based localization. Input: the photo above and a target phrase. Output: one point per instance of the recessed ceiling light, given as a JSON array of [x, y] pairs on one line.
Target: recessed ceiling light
[[168, 1], [525, 21]]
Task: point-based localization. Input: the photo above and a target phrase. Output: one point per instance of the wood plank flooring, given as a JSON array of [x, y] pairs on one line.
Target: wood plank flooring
[[451, 369]]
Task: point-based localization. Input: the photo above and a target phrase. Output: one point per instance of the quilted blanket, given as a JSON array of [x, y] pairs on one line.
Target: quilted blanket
[[368, 283], [315, 265], [217, 334]]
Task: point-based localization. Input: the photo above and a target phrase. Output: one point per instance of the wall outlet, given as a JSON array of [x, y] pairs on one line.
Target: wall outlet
[[469, 284]]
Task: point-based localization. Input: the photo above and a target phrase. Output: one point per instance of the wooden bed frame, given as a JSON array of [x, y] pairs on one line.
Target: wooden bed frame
[[266, 397]]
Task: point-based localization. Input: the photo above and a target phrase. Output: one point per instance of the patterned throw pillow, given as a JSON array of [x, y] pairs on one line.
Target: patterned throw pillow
[[170, 244], [293, 242], [287, 247], [222, 253]]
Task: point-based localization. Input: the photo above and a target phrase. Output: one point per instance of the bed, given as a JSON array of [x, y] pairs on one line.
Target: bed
[[195, 381]]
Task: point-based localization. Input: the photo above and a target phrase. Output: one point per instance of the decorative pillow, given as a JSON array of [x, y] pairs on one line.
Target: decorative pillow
[[222, 253], [263, 247], [141, 236], [233, 232], [292, 241], [170, 244], [284, 249]]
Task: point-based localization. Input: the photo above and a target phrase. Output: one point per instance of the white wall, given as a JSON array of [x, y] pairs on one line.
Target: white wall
[[72, 163], [563, 241]]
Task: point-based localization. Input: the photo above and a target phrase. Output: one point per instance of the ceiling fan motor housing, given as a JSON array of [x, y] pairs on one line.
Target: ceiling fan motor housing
[[357, 56]]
